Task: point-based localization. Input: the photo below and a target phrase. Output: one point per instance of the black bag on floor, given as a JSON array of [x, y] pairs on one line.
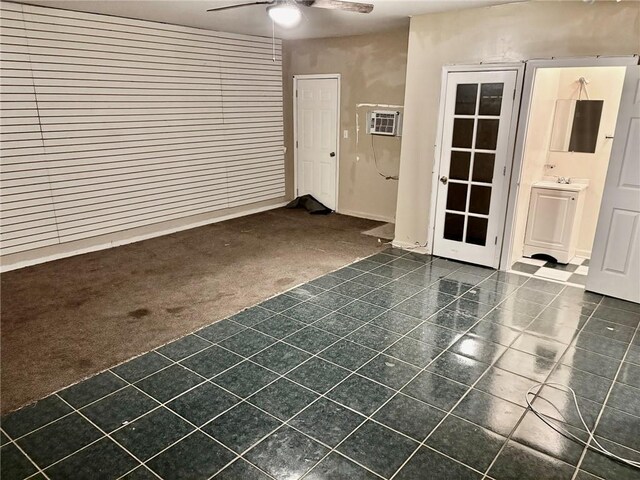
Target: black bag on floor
[[313, 206]]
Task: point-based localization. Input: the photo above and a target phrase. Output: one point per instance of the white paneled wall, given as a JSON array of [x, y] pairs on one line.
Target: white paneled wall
[[110, 124]]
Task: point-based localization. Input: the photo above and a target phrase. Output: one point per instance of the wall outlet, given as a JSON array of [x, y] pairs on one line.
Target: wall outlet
[[345, 134]]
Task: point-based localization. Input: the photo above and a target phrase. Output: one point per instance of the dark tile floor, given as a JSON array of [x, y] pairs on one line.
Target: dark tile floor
[[399, 366]]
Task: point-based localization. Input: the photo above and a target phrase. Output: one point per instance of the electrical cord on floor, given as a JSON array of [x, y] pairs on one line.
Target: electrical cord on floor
[[375, 160], [592, 439]]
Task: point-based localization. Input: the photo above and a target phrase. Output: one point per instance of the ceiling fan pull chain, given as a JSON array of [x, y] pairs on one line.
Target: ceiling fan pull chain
[[273, 40]]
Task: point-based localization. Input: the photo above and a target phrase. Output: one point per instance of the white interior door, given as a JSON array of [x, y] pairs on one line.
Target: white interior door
[[472, 189], [316, 138], [614, 268]]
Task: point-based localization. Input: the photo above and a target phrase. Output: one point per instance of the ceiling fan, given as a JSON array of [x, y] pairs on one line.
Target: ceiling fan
[[286, 13]]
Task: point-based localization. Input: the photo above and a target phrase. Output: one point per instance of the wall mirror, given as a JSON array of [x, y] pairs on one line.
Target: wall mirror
[[575, 126]]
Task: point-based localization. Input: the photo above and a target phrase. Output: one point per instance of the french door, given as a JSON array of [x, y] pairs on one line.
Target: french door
[[472, 186]]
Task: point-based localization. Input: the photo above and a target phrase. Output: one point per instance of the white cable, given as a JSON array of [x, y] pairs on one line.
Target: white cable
[[273, 40], [592, 440]]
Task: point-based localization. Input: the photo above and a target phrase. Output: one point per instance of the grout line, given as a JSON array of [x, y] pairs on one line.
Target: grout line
[[376, 353], [604, 403], [369, 418], [450, 412], [555, 366], [173, 362], [196, 427], [335, 386], [104, 433], [12, 442]]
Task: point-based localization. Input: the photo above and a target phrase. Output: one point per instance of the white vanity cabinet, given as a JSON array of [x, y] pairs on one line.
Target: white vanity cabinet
[[553, 224]]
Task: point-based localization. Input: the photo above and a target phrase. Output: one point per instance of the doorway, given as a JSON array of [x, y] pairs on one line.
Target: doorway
[[478, 125], [316, 122], [572, 141]]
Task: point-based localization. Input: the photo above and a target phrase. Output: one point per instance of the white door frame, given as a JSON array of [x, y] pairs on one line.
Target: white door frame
[[296, 78], [435, 173], [532, 67]]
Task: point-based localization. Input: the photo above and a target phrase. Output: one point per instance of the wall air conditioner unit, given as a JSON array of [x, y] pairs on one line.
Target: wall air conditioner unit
[[384, 122]]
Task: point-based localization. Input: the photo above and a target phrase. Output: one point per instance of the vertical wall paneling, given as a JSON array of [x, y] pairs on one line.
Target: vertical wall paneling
[[111, 123]]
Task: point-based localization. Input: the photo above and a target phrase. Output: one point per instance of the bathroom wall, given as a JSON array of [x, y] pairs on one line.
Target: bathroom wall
[[605, 83], [545, 94]]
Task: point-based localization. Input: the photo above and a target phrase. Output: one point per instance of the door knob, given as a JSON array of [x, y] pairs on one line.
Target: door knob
[[332, 154], [444, 180]]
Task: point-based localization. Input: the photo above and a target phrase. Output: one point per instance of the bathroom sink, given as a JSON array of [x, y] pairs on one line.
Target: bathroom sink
[[567, 187]]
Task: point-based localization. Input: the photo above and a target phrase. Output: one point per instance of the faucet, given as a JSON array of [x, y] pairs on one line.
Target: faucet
[[564, 180]]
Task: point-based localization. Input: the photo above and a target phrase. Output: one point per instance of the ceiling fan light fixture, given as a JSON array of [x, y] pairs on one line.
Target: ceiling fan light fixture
[[285, 14]]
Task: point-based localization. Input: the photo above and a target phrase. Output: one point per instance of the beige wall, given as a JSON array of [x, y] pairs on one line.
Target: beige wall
[[504, 33], [536, 150], [373, 71], [561, 83]]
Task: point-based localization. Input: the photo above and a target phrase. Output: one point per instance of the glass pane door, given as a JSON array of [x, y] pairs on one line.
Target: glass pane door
[[476, 122], [472, 187]]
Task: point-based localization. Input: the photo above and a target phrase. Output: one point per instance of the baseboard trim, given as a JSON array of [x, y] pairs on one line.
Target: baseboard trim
[[583, 253], [125, 241], [368, 216]]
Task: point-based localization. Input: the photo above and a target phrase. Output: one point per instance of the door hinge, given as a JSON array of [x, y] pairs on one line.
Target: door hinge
[[504, 170], [296, 143], [514, 93], [297, 94], [495, 242]]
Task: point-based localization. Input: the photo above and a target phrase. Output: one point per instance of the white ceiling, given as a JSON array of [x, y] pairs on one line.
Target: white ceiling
[[387, 14]]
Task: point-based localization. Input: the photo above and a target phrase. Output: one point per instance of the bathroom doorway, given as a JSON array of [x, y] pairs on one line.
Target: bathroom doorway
[[567, 128]]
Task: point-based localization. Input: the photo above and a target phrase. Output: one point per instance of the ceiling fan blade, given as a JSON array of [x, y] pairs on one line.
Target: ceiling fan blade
[[229, 7], [339, 5]]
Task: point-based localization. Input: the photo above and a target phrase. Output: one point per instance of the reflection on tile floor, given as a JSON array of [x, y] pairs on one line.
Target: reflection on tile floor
[[398, 366], [573, 273]]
